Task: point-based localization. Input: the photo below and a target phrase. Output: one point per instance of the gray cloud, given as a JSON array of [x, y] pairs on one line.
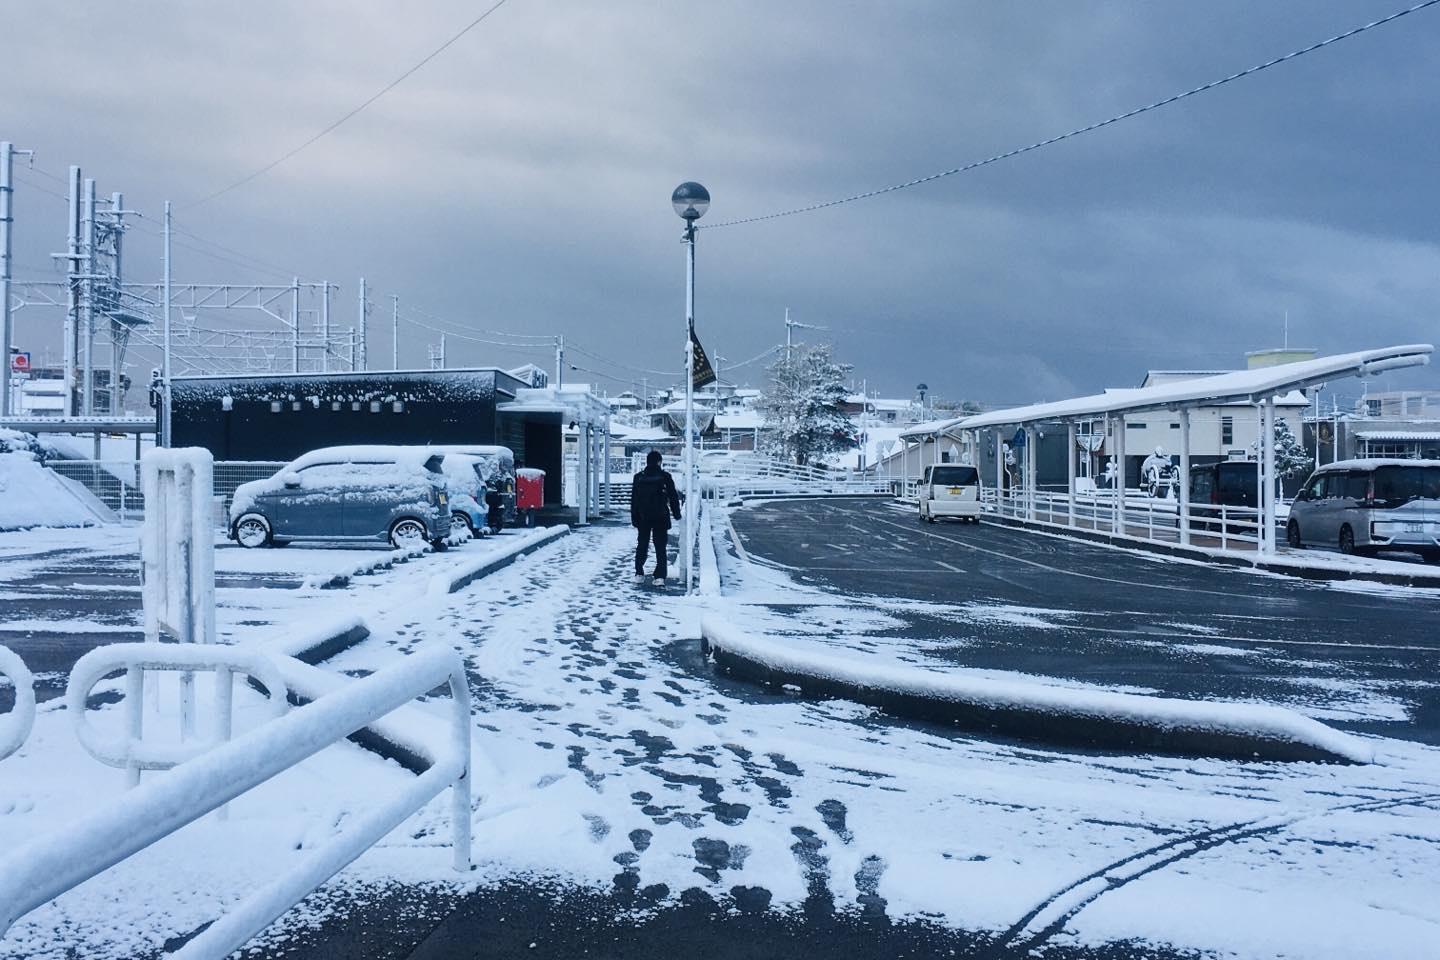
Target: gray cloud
[[521, 180]]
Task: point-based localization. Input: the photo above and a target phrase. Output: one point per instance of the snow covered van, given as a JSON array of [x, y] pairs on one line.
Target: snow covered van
[[1365, 506], [949, 490], [361, 493]]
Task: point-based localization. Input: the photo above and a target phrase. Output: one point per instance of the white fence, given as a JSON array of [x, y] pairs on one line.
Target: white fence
[[1143, 516], [35, 873], [116, 483], [751, 475]]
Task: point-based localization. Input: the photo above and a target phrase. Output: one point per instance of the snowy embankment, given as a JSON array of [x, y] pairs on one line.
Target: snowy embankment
[[33, 496], [1098, 718]]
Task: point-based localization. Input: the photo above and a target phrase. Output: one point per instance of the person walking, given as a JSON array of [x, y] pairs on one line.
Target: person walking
[[653, 501]]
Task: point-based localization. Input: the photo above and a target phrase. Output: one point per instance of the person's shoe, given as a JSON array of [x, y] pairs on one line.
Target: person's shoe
[[639, 578], [659, 581]]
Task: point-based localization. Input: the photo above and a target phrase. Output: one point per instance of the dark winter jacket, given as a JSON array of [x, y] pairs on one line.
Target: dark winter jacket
[[653, 500]]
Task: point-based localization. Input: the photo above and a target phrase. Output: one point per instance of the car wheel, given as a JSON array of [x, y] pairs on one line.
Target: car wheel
[[459, 519], [1347, 540], [1292, 535], [252, 531], [407, 534]]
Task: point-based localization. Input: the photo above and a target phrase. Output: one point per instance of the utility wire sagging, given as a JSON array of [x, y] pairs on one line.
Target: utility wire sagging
[[347, 116], [1089, 128]]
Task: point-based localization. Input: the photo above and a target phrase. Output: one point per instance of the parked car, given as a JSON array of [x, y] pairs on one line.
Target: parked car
[[364, 493], [497, 471], [1366, 506], [1228, 483], [466, 489], [949, 490]]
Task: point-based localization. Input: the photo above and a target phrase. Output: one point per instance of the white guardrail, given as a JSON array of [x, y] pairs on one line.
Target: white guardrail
[[1152, 518], [15, 725], [35, 873], [749, 475], [130, 750]]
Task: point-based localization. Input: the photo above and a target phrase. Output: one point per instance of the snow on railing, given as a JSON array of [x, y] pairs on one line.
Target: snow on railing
[[35, 873], [130, 750], [15, 725], [709, 562]]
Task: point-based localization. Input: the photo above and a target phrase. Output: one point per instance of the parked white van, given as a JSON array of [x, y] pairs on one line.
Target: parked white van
[[1365, 506], [949, 490]]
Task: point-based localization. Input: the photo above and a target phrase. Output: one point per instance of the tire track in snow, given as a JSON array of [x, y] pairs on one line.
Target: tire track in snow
[[1049, 917]]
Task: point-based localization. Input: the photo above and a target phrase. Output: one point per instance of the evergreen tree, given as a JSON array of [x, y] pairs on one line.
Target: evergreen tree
[[1291, 459], [804, 410]]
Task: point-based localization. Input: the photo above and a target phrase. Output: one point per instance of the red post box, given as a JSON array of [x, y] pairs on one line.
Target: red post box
[[529, 493]]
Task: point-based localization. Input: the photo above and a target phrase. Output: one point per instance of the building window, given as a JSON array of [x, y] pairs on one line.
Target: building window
[[334, 406], [275, 406], [1134, 424], [1227, 430], [398, 406], [374, 406], [1174, 426], [295, 405]]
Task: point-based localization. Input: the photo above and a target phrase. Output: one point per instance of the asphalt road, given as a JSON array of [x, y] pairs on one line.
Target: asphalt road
[[1362, 659]]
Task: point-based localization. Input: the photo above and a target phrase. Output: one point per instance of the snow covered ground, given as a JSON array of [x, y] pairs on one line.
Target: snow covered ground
[[608, 756]]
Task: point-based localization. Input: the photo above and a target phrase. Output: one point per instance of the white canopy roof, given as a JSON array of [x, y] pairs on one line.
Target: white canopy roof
[[1242, 385]]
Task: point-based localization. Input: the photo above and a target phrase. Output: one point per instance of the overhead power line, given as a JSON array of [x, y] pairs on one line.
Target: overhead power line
[[336, 124], [624, 366], [1090, 128]]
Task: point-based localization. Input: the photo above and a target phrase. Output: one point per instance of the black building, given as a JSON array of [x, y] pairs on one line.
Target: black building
[[279, 417]]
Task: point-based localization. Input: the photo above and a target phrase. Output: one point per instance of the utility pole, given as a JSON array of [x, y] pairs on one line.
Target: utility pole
[[295, 326], [560, 361], [72, 302], [442, 351], [394, 332], [7, 217], [119, 335], [364, 309], [790, 325], [87, 246], [165, 368], [325, 327]]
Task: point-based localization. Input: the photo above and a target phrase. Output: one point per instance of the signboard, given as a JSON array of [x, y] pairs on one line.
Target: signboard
[[20, 362]]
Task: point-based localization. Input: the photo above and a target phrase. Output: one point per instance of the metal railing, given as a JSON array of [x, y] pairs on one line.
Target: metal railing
[[15, 726], [1146, 517], [116, 483], [759, 475], [130, 751], [34, 873]]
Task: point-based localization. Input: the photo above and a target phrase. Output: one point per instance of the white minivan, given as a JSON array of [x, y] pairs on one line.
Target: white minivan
[[949, 490]]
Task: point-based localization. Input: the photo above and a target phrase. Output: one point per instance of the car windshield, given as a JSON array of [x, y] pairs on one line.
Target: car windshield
[[1399, 484], [954, 476]]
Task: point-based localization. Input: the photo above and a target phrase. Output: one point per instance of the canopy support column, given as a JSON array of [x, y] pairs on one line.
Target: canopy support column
[[1267, 497], [999, 471], [582, 467], [1119, 525], [1070, 473], [1030, 460], [1184, 476]]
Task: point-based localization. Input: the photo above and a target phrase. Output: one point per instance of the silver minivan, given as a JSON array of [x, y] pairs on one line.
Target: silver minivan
[[1366, 506], [949, 490]]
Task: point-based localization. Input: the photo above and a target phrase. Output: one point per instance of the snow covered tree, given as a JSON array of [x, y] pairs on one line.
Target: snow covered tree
[[804, 409], [1291, 460]]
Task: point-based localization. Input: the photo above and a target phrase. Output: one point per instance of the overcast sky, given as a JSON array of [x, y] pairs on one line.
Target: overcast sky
[[521, 180]]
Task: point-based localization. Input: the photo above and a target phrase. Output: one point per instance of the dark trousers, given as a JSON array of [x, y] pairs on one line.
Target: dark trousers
[[645, 535]]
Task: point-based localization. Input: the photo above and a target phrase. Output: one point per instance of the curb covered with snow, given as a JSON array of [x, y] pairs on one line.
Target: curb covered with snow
[[1092, 718], [466, 574]]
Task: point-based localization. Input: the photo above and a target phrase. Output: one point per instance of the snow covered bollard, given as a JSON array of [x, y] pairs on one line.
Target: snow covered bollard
[[15, 725]]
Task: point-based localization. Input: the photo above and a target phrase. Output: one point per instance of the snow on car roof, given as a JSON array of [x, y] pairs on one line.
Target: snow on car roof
[[1370, 463], [366, 453]]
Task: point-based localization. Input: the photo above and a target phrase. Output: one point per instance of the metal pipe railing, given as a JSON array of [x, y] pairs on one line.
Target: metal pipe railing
[[15, 726], [33, 874]]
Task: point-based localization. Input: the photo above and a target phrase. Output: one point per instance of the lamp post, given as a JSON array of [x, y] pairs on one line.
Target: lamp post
[[690, 201]]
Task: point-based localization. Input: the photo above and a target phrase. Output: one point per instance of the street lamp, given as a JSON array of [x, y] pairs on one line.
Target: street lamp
[[690, 201]]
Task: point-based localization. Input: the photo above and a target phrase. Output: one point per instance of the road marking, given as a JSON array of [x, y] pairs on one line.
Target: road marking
[[949, 567], [1062, 570]]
